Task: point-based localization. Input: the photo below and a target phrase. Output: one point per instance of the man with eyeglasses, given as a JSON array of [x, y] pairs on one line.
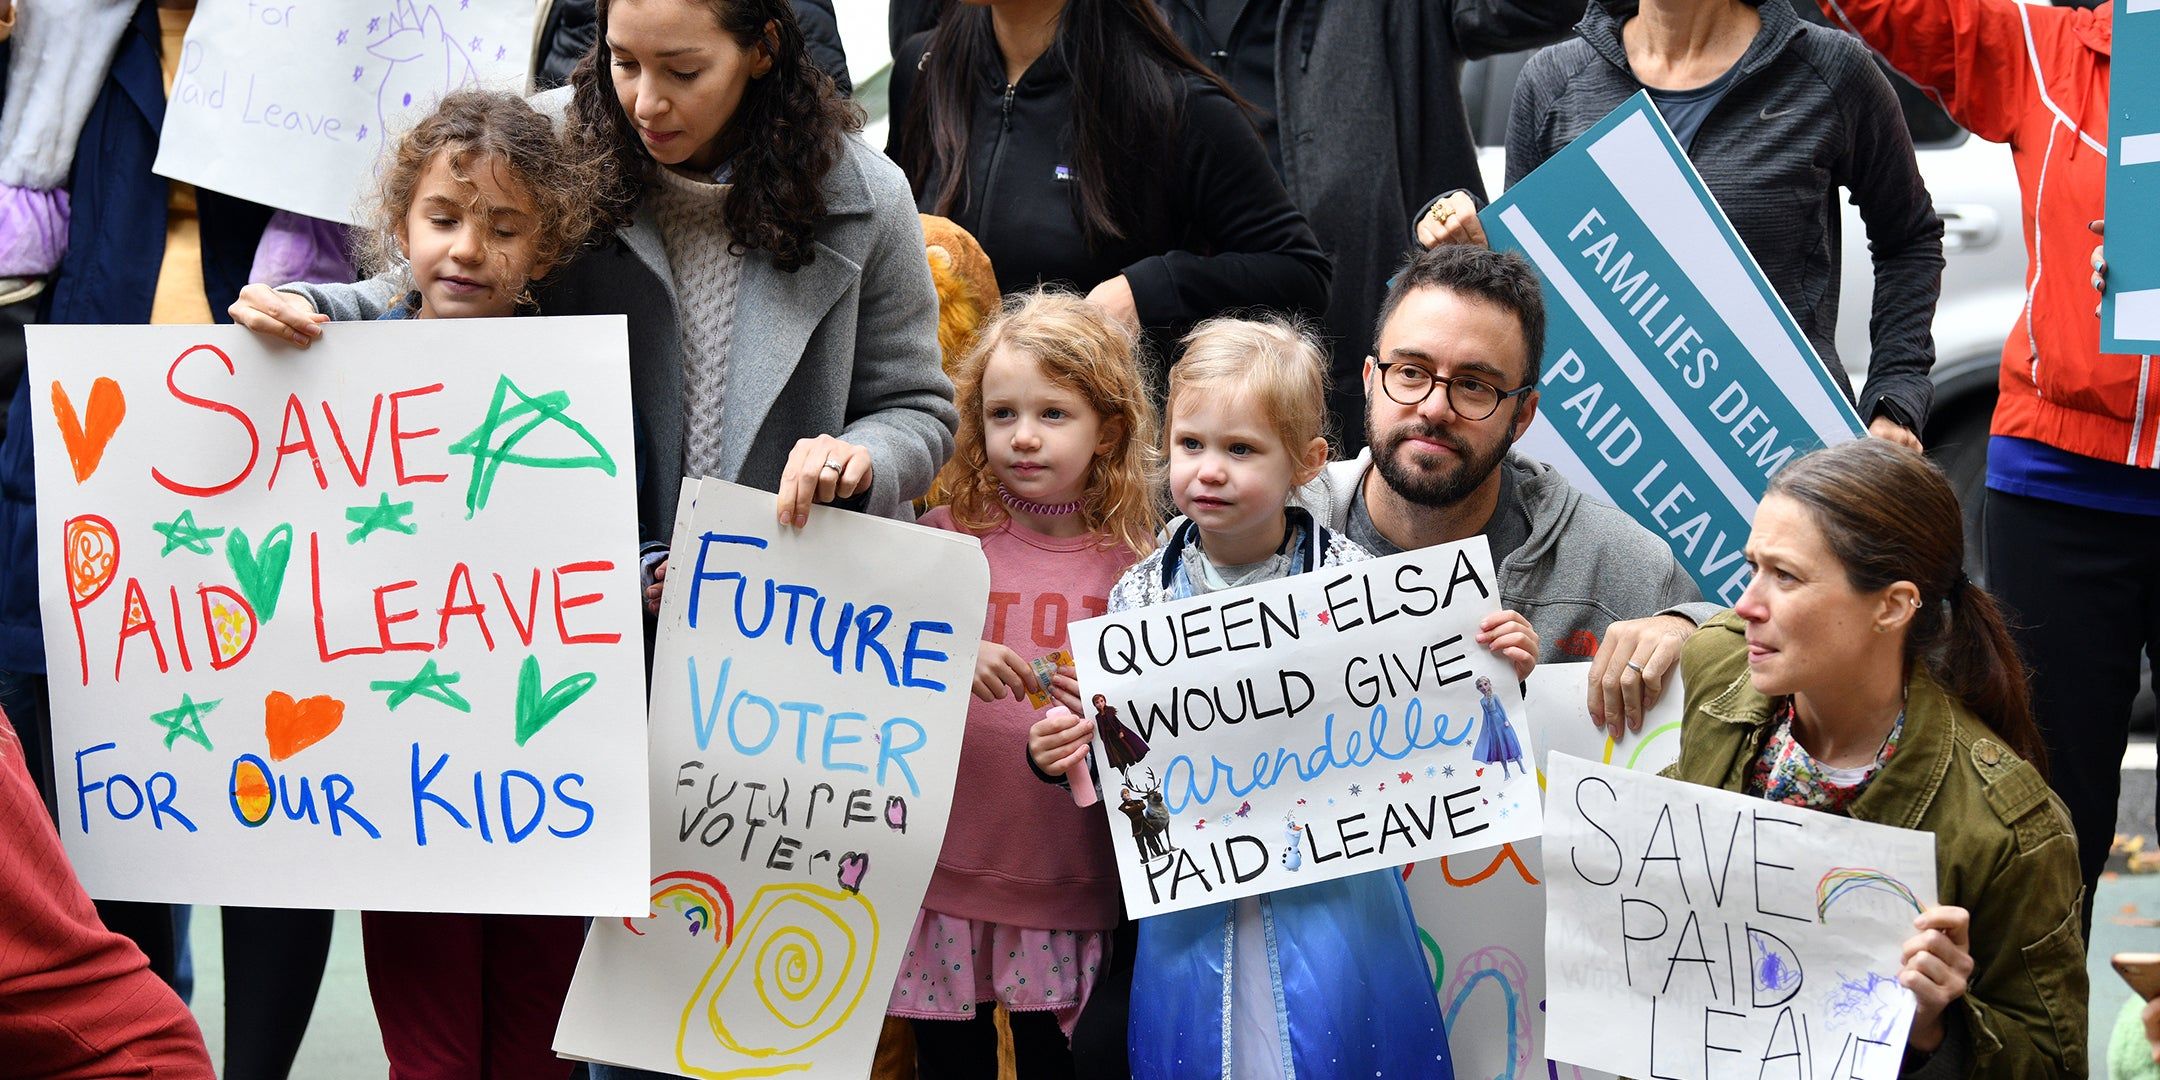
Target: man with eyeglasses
[[1450, 388]]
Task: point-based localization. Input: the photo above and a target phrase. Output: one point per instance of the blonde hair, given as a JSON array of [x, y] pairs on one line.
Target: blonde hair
[[1278, 364], [476, 129], [1079, 348]]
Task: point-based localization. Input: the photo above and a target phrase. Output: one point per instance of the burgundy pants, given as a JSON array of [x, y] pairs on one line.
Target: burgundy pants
[[470, 997]]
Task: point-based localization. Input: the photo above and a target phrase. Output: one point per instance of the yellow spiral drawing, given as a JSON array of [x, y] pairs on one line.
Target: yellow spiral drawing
[[795, 972]]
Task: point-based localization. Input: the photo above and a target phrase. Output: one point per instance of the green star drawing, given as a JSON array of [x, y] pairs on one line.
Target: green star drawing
[[383, 515], [185, 721], [514, 423], [429, 684], [181, 532]]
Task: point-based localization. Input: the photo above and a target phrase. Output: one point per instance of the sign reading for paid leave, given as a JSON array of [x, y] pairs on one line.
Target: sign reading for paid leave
[[1305, 729], [1482, 915], [1696, 933], [1675, 384], [2130, 309], [322, 629], [292, 104], [808, 705]]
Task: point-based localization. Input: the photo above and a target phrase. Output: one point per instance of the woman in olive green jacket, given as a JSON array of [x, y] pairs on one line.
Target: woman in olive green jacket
[[1861, 673]]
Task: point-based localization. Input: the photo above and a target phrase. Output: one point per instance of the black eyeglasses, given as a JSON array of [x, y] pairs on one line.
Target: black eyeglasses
[[1471, 398]]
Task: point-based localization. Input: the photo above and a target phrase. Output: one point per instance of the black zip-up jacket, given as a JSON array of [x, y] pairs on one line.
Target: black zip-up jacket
[[1807, 114], [1216, 233]]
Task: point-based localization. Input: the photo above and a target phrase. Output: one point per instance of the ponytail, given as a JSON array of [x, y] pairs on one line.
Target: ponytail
[[1979, 664]]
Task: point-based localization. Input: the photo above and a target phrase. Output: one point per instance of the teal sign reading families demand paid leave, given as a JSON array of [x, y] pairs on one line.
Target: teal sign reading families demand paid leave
[[1675, 383]]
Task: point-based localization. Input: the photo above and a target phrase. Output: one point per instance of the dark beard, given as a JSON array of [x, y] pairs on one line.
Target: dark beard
[[1427, 488]]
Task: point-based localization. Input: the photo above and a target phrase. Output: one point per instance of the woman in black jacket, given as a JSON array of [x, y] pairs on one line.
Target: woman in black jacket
[[1082, 145]]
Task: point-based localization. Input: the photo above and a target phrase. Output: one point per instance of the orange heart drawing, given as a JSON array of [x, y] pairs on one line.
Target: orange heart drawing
[[86, 441], [293, 726]]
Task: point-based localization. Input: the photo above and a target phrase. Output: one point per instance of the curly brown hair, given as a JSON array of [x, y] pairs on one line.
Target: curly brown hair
[[783, 139], [478, 129], [1077, 347]]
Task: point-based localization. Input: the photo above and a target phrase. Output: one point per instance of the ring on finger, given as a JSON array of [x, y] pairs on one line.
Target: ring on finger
[[1441, 212], [1635, 667], [832, 465]]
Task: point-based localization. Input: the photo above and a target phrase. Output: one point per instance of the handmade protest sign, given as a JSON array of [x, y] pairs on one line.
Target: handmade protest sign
[[1675, 384], [292, 104], [1481, 916], [2130, 309], [1306, 729], [1697, 933], [808, 705], [319, 629]]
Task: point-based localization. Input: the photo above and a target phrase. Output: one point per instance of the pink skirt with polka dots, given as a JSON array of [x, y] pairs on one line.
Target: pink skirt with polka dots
[[954, 967]]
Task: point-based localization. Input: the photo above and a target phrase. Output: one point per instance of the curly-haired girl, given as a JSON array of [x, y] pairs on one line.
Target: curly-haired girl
[[1053, 475], [480, 199]]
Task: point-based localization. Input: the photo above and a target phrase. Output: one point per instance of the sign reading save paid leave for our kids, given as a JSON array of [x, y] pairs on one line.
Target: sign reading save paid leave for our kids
[[292, 104], [1697, 933], [1304, 729], [356, 627], [808, 706], [1675, 383]]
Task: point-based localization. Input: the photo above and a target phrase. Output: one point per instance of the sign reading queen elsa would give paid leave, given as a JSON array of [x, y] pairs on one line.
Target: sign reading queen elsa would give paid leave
[[1307, 728], [808, 707], [1675, 384], [322, 629]]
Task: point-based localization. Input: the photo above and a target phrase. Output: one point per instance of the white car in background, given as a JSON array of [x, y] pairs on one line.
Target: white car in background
[[1976, 193]]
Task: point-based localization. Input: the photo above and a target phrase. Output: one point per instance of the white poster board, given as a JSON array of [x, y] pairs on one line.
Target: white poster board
[[319, 630], [292, 104], [1306, 729], [1481, 916], [808, 704], [1697, 933]]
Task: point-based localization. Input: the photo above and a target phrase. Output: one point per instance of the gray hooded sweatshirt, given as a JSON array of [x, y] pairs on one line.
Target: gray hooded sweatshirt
[[1585, 565]]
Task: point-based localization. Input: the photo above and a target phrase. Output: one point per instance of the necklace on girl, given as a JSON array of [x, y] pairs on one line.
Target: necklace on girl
[[1033, 507]]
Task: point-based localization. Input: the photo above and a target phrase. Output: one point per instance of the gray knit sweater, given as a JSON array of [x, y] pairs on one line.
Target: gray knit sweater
[[1808, 113], [707, 277]]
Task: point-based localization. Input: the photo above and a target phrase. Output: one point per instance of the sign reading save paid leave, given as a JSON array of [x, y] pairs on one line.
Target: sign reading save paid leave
[[808, 707], [1675, 384], [1307, 728], [356, 627], [1695, 933]]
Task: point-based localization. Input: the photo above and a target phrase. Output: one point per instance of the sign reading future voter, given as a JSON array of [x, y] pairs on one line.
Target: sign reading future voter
[[1305, 729], [293, 104], [1675, 383], [808, 709], [356, 627]]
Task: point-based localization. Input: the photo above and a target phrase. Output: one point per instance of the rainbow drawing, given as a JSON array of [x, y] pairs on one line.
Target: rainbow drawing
[[698, 898], [1842, 881]]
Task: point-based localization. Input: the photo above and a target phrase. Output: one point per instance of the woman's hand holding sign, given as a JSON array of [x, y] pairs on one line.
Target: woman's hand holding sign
[[1938, 966]]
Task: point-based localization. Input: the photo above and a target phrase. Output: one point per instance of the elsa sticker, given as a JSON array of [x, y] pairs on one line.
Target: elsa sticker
[[1496, 744]]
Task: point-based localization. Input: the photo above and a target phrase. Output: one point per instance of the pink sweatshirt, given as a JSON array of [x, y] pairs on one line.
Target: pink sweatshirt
[[1017, 851]]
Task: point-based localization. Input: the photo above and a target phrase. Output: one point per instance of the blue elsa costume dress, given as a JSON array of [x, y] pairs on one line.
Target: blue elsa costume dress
[[1351, 993]]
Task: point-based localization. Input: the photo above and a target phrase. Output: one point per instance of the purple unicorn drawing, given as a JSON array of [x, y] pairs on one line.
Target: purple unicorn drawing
[[424, 63]]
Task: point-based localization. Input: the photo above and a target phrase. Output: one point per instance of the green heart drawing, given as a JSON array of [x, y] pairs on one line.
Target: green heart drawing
[[260, 570], [536, 709]]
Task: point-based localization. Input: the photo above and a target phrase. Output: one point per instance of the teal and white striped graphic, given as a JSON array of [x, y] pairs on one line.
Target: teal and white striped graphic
[[2130, 310]]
